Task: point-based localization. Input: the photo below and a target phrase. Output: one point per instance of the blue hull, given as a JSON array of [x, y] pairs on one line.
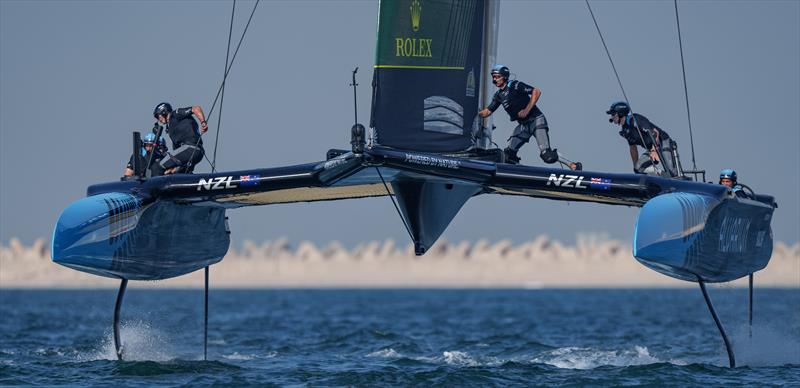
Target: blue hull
[[168, 226], [686, 235], [117, 235]]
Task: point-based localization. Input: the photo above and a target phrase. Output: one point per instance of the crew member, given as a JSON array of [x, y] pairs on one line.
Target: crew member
[[148, 147], [639, 131], [727, 177], [187, 145], [519, 100]]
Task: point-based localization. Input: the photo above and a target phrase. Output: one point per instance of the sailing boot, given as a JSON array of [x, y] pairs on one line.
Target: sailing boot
[[510, 156]]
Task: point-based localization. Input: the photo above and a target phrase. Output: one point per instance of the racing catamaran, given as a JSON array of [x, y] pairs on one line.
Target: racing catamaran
[[430, 153]]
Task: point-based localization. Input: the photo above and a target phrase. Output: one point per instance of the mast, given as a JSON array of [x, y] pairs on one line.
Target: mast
[[491, 23]]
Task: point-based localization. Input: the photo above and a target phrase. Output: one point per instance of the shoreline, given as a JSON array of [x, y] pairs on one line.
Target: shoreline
[[592, 262]]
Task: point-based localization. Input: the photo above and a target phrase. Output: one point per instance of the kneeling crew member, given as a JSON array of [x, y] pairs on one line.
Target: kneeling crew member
[[148, 147], [639, 131], [519, 100], [187, 146]]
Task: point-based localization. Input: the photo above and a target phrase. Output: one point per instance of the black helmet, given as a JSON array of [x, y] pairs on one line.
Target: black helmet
[[502, 70], [728, 173], [621, 108], [162, 109]]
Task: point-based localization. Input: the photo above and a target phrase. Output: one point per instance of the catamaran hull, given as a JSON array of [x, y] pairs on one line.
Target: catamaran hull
[[168, 226], [117, 235], [687, 235]]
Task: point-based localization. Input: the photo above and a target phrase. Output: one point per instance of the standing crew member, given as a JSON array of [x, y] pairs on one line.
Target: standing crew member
[[519, 100], [187, 146], [639, 131]]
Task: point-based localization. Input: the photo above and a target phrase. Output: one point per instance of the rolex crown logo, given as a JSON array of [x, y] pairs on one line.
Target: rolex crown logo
[[416, 12]]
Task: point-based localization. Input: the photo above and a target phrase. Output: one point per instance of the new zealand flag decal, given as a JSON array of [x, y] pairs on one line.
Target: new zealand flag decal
[[249, 180], [600, 183]]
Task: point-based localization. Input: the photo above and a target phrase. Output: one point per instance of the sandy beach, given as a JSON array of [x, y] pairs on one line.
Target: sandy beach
[[540, 263]]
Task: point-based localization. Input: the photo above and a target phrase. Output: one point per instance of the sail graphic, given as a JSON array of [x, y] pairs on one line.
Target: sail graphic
[[428, 71]]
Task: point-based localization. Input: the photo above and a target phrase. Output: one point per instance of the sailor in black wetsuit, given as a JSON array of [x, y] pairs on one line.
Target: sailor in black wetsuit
[[639, 131], [519, 100], [148, 147], [187, 146]]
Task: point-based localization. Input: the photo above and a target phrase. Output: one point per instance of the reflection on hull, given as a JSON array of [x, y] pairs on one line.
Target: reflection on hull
[[115, 235], [686, 235]]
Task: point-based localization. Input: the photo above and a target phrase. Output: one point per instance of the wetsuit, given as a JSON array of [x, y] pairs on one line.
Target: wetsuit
[[514, 97], [187, 146], [155, 168], [646, 137], [738, 191]]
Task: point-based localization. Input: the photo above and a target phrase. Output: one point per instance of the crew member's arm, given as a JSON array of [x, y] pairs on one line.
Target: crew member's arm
[[197, 111], [739, 192], [486, 112], [129, 167], [535, 94]]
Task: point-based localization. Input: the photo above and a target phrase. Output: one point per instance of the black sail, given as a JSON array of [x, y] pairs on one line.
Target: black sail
[[428, 74]]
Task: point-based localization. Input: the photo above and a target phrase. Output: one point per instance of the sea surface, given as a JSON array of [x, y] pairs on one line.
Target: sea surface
[[385, 337]]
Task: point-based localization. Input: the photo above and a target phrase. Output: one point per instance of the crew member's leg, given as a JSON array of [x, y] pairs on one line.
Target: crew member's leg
[[196, 158], [669, 159], [184, 157], [522, 134], [548, 155], [518, 138], [156, 169], [645, 165]]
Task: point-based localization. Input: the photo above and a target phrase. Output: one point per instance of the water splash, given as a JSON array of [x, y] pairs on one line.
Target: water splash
[[459, 358], [588, 358], [236, 356], [239, 357], [385, 353], [140, 342], [50, 352]]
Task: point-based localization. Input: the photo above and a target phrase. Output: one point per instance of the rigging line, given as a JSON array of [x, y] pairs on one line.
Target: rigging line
[[224, 77], [608, 53], [222, 99], [685, 91], [619, 81], [235, 52], [391, 196]]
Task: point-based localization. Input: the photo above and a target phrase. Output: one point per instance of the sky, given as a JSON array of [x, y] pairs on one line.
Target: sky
[[76, 77]]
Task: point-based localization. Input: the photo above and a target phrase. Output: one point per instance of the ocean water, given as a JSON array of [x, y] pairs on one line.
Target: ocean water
[[428, 337]]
